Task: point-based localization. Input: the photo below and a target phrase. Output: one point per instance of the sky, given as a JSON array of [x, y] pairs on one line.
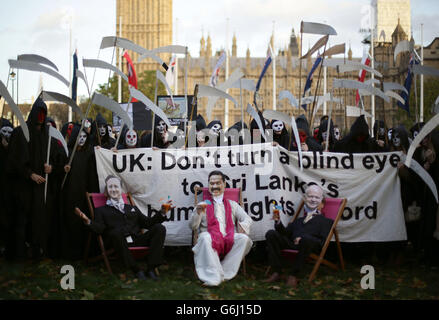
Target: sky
[[42, 27]]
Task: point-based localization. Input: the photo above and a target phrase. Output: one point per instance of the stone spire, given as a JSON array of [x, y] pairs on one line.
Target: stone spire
[[209, 47], [293, 45], [202, 46], [399, 34], [234, 47], [247, 58]]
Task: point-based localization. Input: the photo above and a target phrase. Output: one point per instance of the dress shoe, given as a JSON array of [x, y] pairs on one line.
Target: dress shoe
[[273, 278], [292, 282], [151, 274], [140, 275]]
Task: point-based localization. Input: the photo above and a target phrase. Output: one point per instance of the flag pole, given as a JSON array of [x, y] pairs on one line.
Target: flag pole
[[119, 82], [300, 65], [318, 82], [153, 117], [300, 81]]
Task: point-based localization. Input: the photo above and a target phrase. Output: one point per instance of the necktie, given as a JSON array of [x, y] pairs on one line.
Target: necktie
[[309, 216]]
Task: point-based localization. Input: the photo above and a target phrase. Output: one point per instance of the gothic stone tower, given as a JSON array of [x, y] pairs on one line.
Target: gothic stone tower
[[147, 23]]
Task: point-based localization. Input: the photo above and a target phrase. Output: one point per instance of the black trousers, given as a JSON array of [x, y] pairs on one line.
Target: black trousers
[[277, 242], [154, 238]]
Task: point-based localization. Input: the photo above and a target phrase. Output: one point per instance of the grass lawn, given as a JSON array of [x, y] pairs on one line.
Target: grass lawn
[[41, 280]]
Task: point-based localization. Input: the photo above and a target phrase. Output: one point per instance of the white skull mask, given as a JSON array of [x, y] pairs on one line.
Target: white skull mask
[[161, 127], [415, 133], [110, 130], [396, 140], [337, 133], [389, 134], [324, 135], [131, 138], [278, 126], [215, 130], [6, 132], [102, 130], [82, 138], [381, 132]]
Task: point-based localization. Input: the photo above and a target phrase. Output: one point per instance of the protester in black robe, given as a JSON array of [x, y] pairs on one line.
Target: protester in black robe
[[6, 129], [103, 134], [280, 133], [128, 139], [161, 136], [358, 140], [323, 131], [27, 164], [380, 136], [392, 252], [81, 178], [417, 127], [308, 143], [426, 155], [215, 132], [59, 158], [234, 134]]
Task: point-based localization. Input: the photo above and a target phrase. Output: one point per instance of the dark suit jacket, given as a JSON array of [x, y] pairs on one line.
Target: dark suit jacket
[[316, 229], [108, 219]]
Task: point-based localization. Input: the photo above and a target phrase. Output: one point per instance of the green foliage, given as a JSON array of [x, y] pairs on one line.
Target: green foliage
[[431, 91]]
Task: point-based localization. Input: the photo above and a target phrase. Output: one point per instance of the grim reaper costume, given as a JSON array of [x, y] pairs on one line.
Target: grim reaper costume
[[30, 219], [81, 178]]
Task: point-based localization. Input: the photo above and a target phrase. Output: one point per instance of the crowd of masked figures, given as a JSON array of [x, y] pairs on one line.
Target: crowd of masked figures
[[35, 223]]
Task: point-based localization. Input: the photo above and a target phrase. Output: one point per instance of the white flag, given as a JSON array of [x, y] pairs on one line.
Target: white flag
[[170, 73]]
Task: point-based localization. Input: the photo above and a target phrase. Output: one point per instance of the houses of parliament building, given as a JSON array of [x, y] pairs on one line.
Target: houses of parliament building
[[149, 24]]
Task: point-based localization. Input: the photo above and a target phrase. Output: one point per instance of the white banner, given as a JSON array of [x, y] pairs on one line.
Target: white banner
[[265, 173]]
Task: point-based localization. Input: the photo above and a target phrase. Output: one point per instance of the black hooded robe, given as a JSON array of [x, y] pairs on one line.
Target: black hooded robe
[[82, 178], [30, 220]]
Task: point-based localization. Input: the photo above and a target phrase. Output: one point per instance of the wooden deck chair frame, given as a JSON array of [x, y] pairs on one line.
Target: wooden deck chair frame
[[239, 228], [333, 232], [105, 254]]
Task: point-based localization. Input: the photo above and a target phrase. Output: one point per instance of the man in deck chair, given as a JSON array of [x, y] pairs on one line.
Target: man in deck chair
[[219, 250], [122, 223], [305, 234]]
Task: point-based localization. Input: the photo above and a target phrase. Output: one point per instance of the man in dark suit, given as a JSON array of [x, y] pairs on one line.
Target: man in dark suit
[[305, 234], [122, 224]]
